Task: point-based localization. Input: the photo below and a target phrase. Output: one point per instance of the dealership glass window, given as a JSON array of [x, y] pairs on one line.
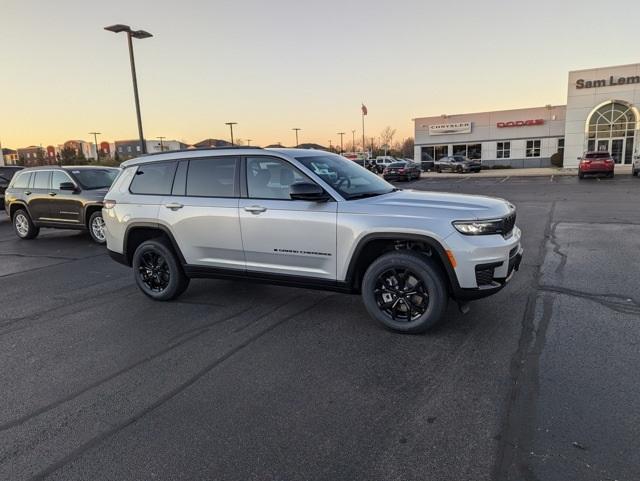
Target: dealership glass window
[[561, 146], [436, 151], [472, 151], [460, 149], [503, 150], [533, 148], [154, 178], [212, 177]]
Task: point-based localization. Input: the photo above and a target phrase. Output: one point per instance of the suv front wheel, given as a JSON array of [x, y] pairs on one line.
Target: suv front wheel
[[405, 291], [157, 271]]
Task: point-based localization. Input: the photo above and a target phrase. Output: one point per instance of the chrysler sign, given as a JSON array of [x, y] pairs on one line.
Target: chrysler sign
[[455, 128], [520, 123]]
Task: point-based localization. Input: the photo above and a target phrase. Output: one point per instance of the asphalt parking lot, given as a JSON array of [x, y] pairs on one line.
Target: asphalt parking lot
[[254, 382]]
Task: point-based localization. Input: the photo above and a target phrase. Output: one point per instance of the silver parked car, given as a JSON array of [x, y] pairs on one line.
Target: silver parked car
[[457, 163], [309, 219]]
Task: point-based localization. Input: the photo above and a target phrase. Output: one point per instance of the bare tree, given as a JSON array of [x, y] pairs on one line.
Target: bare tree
[[386, 136]]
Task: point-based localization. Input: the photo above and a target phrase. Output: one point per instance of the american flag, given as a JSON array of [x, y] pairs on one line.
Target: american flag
[[364, 109]]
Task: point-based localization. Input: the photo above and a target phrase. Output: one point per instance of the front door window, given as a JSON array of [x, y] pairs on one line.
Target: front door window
[[612, 128]]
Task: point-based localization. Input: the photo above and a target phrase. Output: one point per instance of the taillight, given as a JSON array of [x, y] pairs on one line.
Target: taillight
[[609, 161], [585, 161], [402, 171], [109, 204]]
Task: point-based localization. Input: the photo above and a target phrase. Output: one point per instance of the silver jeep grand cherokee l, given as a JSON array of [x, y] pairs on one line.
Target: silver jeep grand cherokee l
[[307, 218]]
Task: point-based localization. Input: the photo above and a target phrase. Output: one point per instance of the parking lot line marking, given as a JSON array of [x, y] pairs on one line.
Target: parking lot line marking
[[598, 179], [551, 179], [462, 180], [505, 179]]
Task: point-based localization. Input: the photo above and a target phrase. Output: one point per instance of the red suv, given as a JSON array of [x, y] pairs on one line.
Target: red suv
[[596, 163]]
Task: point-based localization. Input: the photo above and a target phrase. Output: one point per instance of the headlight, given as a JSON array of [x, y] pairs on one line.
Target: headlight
[[478, 227]]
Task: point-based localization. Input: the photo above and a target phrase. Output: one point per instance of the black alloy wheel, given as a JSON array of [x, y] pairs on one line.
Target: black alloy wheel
[[401, 295], [154, 271]]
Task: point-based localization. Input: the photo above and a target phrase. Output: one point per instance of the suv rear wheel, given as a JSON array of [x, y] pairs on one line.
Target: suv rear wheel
[[158, 272], [23, 225], [97, 228], [405, 291]]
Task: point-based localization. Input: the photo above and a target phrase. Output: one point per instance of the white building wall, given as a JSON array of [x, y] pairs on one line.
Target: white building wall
[[581, 102]]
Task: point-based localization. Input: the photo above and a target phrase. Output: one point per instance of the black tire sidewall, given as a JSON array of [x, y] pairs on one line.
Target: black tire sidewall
[[93, 238], [177, 279], [422, 267]]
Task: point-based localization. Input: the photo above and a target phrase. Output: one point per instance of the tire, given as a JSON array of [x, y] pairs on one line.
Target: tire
[[634, 172], [161, 281], [610, 175], [459, 169], [580, 175], [97, 229], [438, 169], [409, 267], [23, 226]]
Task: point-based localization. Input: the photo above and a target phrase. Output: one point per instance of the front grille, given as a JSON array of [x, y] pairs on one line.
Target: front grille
[[508, 223]]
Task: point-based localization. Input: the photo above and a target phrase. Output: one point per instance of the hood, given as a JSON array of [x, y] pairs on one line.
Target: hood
[[95, 193], [437, 205]]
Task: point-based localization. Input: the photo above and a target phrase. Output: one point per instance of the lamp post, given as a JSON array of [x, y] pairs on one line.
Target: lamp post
[[353, 134], [330, 146], [231, 124], [139, 34], [95, 141], [341, 134], [297, 129], [161, 143], [248, 142]]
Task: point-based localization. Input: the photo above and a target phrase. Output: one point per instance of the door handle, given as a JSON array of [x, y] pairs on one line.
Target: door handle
[[255, 209], [174, 206], [52, 194]]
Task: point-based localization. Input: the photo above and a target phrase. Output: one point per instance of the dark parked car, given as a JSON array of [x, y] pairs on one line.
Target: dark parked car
[[427, 163], [401, 170], [60, 197], [6, 174], [595, 163], [458, 163]]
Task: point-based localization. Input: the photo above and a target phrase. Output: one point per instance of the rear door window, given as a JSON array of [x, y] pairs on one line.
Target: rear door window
[[153, 178], [213, 177], [42, 179]]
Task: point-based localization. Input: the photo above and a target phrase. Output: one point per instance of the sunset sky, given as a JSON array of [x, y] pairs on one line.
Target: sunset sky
[[277, 64]]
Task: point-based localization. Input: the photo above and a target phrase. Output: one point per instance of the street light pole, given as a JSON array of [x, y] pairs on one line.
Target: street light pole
[[95, 141], [161, 143], [231, 124], [297, 129], [248, 142], [353, 134], [330, 146], [139, 34], [341, 134]]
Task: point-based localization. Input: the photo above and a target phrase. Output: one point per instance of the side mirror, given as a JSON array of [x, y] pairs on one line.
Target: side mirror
[[307, 191], [67, 186]]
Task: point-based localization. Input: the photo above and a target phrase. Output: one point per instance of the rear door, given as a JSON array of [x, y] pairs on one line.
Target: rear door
[[281, 235], [202, 212], [37, 196]]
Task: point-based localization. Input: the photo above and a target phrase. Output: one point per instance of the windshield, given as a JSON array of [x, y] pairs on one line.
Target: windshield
[[95, 178], [348, 178]]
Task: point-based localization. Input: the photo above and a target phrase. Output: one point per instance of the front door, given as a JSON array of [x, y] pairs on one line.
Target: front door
[[65, 206], [37, 196], [281, 235], [617, 150]]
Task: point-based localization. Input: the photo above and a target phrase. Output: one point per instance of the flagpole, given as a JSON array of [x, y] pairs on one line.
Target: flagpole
[[364, 144]]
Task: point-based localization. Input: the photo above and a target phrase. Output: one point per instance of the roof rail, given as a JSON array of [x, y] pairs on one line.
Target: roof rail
[[197, 149]]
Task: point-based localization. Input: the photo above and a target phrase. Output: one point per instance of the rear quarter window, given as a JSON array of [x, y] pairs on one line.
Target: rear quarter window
[[153, 179], [21, 180]]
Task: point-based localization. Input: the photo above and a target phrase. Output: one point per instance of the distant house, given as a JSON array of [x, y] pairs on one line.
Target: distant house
[[87, 149], [105, 149], [32, 156], [155, 146], [211, 143], [10, 156], [127, 148]]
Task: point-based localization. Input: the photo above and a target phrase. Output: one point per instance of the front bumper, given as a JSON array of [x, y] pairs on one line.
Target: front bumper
[[484, 264]]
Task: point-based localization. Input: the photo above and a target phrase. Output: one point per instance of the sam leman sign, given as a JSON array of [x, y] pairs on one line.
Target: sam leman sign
[[444, 129], [610, 82]]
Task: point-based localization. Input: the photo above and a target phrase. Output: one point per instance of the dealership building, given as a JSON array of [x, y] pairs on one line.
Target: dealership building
[[602, 113]]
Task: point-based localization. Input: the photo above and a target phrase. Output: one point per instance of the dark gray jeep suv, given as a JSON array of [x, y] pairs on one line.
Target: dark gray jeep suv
[[59, 197]]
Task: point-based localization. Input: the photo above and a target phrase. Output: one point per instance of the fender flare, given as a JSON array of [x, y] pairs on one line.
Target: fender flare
[[150, 225], [430, 241]]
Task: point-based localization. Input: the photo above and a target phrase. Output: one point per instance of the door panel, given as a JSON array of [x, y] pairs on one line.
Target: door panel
[[64, 205], [203, 212], [37, 196], [617, 150], [283, 236]]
